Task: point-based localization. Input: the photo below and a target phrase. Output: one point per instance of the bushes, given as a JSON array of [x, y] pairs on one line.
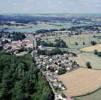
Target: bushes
[[88, 64], [93, 42], [76, 43], [97, 53], [83, 43], [61, 71]]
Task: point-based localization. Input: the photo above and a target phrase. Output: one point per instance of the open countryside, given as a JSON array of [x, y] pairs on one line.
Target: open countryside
[[50, 50], [80, 83]]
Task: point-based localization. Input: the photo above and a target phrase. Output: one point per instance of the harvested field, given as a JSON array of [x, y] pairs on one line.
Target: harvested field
[[81, 81], [92, 48]]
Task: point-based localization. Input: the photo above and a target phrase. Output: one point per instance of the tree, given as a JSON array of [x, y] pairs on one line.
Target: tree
[[93, 42], [60, 43], [18, 93], [96, 52], [76, 43], [99, 54], [20, 79], [62, 71], [83, 43], [88, 64], [56, 51]]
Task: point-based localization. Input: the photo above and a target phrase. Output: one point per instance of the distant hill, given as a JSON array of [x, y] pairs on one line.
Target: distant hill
[[28, 19]]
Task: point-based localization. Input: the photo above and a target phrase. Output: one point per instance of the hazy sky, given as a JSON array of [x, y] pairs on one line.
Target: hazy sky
[[50, 6]]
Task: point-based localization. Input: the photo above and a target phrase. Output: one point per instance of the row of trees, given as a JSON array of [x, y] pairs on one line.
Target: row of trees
[[54, 51], [85, 27], [21, 80], [13, 35]]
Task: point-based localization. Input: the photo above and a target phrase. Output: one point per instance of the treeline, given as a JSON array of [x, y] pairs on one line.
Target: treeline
[[45, 30], [21, 80], [49, 30], [98, 53], [87, 27], [57, 43], [31, 19], [54, 51], [13, 35]]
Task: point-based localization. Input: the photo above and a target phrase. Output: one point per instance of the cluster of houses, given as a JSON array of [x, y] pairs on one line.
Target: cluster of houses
[[56, 62], [16, 46], [50, 67]]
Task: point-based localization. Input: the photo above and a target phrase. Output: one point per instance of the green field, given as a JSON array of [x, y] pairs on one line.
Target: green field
[[83, 58], [79, 39], [93, 96]]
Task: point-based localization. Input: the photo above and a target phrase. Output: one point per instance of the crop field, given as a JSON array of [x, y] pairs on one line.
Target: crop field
[[85, 56], [79, 39], [94, 60], [81, 81], [92, 48], [96, 95]]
